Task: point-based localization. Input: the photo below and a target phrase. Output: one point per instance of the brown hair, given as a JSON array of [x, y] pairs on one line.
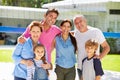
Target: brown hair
[[73, 40], [35, 24], [52, 10], [91, 43], [43, 58]]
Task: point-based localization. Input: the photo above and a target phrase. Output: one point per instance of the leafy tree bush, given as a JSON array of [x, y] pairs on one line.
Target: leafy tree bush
[[113, 44]]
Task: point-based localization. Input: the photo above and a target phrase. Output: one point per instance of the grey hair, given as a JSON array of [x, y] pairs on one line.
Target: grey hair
[[81, 16]]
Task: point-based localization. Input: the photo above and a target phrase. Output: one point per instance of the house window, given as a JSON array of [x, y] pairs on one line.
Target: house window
[[114, 11], [114, 26], [118, 26], [93, 23], [111, 26]]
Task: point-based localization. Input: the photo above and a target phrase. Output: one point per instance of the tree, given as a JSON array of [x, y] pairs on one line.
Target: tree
[[27, 3]]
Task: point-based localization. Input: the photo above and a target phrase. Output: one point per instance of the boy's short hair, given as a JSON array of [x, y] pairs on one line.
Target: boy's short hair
[[52, 10], [91, 43]]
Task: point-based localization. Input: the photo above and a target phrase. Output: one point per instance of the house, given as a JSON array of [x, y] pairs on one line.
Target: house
[[104, 14], [18, 17]]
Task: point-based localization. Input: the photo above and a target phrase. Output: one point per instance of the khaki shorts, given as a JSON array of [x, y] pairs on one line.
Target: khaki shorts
[[65, 73]]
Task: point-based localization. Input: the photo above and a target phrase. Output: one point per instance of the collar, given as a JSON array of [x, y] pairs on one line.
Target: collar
[[90, 58], [63, 39]]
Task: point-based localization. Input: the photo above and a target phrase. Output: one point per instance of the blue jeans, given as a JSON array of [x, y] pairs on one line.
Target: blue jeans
[[40, 74], [17, 78]]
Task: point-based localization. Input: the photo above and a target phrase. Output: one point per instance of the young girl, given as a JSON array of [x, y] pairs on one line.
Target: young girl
[[39, 59], [91, 69]]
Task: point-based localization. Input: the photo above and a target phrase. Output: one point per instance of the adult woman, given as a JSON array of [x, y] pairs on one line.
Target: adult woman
[[66, 47], [23, 53]]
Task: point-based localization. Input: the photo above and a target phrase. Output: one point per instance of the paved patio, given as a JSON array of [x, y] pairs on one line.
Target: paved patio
[[6, 70]]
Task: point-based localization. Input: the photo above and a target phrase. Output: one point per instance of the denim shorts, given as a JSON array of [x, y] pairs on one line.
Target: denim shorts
[[17, 78]]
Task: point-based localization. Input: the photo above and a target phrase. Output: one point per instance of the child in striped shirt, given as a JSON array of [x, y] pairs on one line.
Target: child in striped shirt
[[39, 60]]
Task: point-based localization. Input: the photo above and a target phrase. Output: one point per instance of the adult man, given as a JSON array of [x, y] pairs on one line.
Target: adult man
[[82, 34]]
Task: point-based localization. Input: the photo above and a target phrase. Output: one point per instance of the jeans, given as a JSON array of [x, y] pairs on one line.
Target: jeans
[[17, 78]]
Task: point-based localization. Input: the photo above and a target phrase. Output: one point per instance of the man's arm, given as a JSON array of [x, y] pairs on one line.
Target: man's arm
[[105, 49], [53, 45]]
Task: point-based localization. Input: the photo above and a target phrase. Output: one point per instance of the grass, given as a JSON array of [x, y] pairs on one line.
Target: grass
[[109, 62], [6, 55]]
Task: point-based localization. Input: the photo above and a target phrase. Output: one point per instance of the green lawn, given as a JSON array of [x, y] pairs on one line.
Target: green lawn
[[110, 62], [6, 55]]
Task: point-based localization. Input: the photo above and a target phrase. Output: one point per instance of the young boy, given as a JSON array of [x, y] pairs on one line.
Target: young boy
[[91, 68], [39, 59]]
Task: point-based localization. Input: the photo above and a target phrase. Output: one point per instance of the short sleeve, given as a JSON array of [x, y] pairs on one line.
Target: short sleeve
[[56, 30], [100, 36], [98, 67], [26, 34]]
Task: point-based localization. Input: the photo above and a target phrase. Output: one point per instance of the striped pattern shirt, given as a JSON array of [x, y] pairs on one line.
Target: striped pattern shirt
[[31, 69]]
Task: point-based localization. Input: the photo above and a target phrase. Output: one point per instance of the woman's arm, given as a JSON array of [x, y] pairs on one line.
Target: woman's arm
[[47, 66], [17, 56], [17, 53]]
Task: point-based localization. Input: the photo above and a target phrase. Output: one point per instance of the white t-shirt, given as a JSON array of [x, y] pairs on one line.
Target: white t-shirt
[[81, 38]]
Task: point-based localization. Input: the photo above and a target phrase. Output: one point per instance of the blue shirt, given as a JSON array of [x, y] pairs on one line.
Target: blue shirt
[[65, 55], [22, 51]]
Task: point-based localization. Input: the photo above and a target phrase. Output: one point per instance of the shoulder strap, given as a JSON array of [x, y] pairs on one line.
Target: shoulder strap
[[34, 62]]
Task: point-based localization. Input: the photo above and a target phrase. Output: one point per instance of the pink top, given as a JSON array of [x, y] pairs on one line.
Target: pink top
[[46, 38]]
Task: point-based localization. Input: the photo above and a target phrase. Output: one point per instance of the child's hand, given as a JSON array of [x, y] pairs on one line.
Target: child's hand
[[97, 56], [47, 66], [21, 40], [29, 62]]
